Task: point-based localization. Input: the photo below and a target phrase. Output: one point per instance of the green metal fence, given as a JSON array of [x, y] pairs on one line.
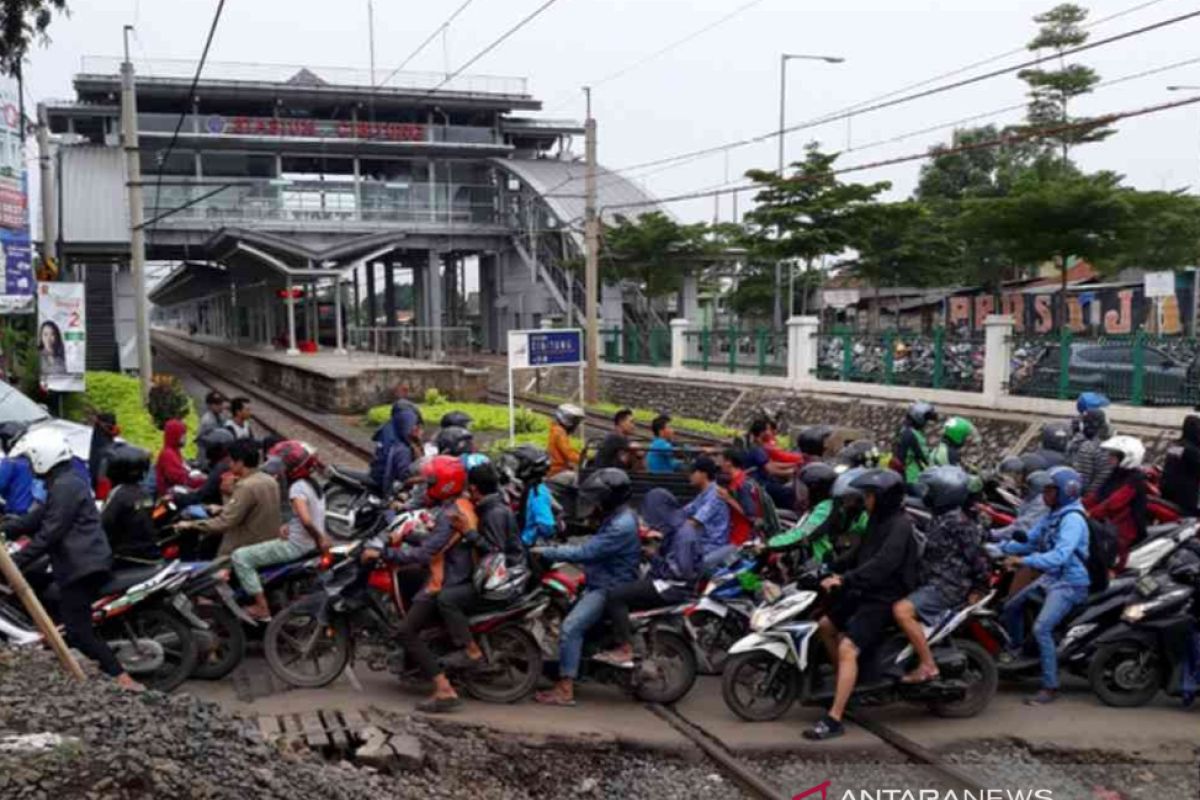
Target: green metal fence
[[760, 351], [1137, 368], [633, 346], [937, 360]]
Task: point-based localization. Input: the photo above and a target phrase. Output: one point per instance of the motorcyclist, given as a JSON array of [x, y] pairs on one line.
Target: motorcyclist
[[397, 446], [957, 432], [1058, 547], [455, 441], [818, 479], [837, 533], [660, 457], [812, 441], [170, 470], [953, 567], [535, 518], [216, 452], [775, 477], [663, 511], [1087, 456], [1181, 468], [125, 515], [105, 430], [1055, 441], [859, 453], [1033, 507], [456, 419], [912, 450], [16, 475], [564, 457], [610, 557], [70, 533], [1121, 499], [881, 571], [742, 495], [447, 559]]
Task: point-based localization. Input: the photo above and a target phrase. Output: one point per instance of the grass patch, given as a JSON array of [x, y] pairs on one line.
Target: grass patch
[[121, 395]]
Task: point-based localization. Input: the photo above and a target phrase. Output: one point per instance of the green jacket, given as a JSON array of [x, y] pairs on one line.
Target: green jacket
[[822, 525]]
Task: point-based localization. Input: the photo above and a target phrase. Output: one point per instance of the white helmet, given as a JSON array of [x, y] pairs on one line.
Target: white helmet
[[45, 448], [1130, 449]]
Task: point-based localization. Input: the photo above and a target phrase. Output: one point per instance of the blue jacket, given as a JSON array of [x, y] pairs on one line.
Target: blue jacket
[[610, 556], [539, 516], [393, 452], [16, 485], [660, 459], [1057, 546]]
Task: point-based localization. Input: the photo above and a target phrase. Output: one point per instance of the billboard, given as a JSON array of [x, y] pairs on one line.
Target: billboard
[[16, 262], [62, 336]]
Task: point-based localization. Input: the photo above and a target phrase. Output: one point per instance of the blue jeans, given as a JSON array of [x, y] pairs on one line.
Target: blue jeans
[[1060, 599], [586, 613]]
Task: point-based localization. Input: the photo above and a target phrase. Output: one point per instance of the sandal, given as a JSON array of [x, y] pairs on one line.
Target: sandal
[[439, 705], [614, 658], [553, 698], [919, 676]]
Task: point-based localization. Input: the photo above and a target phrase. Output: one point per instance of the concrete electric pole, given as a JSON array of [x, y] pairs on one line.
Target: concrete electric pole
[[137, 236], [591, 232]]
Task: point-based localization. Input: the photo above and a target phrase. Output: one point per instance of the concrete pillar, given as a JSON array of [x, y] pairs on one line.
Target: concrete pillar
[[679, 327], [340, 347], [389, 293], [356, 317], [690, 297], [451, 285], [420, 309], [314, 330], [290, 302], [372, 309], [997, 360], [489, 317], [802, 354], [434, 286]]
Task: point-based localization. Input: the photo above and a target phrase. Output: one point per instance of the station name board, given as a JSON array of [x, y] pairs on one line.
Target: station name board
[[316, 129]]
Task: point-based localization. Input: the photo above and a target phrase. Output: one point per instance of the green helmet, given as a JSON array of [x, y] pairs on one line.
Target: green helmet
[[957, 430]]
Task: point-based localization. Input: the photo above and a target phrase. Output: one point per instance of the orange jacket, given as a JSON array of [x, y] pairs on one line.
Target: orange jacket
[[563, 456]]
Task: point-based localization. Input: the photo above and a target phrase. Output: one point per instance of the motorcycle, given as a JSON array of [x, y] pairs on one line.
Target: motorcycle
[[774, 666], [347, 494]]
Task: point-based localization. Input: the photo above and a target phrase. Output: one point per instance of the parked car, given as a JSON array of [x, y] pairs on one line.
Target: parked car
[[1167, 379], [16, 407]]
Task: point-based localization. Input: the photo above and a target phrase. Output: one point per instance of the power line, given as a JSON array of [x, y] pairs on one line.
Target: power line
[[428, 39], [1013, 137]]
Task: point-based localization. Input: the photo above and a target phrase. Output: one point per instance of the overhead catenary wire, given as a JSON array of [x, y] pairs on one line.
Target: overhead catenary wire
[[421, 47]]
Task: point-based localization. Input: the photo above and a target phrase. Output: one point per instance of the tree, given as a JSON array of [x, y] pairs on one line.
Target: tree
[[1052, 90], [800, 218], [654, 250], [1162, 230], [981, 172], [23, 21]]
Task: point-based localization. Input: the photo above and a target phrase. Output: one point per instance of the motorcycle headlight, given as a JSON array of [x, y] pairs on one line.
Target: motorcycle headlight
[[1138, 611]]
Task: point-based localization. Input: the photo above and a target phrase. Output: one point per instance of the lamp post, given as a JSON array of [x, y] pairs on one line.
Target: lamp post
[[784, 58]]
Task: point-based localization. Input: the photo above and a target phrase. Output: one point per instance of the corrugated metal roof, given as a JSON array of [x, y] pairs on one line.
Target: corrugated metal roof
[[94, 205]]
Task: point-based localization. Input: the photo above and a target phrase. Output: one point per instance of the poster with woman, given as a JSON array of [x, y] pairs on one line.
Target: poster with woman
[[62, 339]]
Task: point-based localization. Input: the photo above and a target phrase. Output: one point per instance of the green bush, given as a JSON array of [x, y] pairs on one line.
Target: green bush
[[121, 395]]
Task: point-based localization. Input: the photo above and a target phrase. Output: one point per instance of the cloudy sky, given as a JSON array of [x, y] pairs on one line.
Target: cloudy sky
[[717, 87]]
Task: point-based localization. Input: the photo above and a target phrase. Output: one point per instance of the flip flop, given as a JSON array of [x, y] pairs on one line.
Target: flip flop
[[439, 705], [917, 680], [613, 661], [553, 698]]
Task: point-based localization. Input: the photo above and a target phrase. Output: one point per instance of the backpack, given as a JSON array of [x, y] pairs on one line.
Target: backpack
[[1103, 552]]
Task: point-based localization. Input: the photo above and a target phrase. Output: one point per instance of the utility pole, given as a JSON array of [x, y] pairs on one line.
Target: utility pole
[[137, 236], [591, 232], [49, 188], [371, 38]]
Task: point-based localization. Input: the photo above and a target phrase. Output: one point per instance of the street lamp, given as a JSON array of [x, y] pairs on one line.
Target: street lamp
[[784, 58]]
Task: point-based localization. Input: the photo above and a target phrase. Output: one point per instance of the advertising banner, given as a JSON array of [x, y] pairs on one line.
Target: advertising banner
[[16, 263], [62, 336]]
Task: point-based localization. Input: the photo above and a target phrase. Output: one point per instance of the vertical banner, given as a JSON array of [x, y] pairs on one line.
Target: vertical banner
[[16, 262], [62, 336]]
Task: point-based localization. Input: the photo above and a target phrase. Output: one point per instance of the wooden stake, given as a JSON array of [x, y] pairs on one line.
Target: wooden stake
[[34, 606]]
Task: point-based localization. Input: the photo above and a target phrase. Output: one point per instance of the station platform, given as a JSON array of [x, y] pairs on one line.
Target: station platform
[[335, 383]]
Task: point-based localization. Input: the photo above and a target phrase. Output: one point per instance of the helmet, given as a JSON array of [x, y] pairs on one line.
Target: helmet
[[1038, 480], [845, 494], [297, 459], [944, 488], [1012, 465], [529, 463], [10, 432], [1089, 401], [957, 430], [454, 441], [45, 448], [445, 477], [473, 460], [1068, 483], [885, 484], [1093, 422], [568, 416], [126, 464], [859, 454], [456, 419], [920, 413], [1056, 436], [1129, 449], [819, 478], [603, 492], [811, 440], [495, 581]]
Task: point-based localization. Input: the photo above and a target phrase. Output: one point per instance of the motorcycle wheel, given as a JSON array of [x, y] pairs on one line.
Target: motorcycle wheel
[[1126, 674], [338, 500], [668, 670], [174, 635], [304, 653], [228, 639], [513, 668], [746, 691], [715, 635], [981, 677]]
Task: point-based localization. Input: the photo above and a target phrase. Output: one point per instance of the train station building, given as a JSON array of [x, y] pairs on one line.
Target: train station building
[[292, 198]]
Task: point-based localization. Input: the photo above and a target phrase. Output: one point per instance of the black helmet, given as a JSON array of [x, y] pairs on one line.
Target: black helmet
[[1056, 436], [920, 413], [528, 463], [886, 485], [819, 478], [944, 488], [1012, 465], [10, 432], [454, 441], [456, 419], [859, 454], [126, 464], [603, 492], [811, 440], [1038, 480]]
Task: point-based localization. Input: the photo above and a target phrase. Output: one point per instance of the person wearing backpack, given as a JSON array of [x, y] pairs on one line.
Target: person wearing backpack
[[1121, 500], [1058, 548]]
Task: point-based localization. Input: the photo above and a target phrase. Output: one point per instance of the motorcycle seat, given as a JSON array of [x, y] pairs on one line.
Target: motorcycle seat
[[352, 476], [125, 578]]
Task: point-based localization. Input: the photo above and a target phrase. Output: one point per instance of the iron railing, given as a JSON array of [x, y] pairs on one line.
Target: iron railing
[[938, 360], [422, 344], [760, 351], [633, 346]]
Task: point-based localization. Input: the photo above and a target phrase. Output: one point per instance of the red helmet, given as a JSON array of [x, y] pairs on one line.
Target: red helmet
[[299, 459], [445, 476]]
